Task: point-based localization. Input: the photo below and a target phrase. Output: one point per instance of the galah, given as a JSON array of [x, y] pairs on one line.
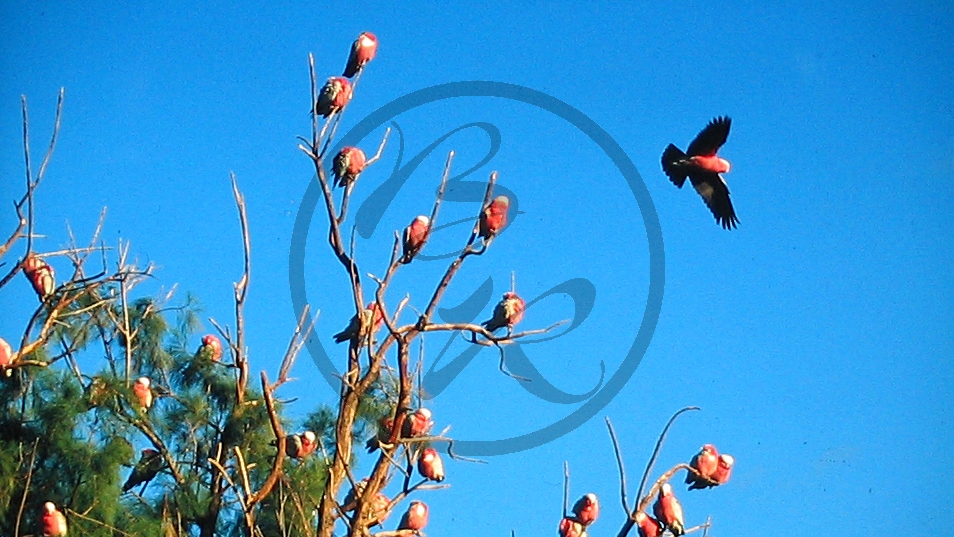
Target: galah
[[379, 511], [6, 357], [430, 465], [150, 463], [211, 348], [418, 423], [724, 470], [335, 94], [415, 518], [508, 312], [370, 318], [385, 425], [53, 521], [300, 446], [668, 510], [143, 392], [704, 463], [704, 168], [362, 51], [348, 164], [415, 235], [571, 527], [648, 526], [493, 218], [587, 509], [40, 274]]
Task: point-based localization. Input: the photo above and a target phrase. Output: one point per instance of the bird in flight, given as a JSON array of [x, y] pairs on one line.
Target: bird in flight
[[704, 169]]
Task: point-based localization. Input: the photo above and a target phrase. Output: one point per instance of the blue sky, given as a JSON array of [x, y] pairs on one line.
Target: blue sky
[[816, 337]]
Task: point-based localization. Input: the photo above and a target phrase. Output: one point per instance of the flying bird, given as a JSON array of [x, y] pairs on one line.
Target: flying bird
[[704, 463], [211, 348], [508, 312], [587, 509], [53, 521], [571, 527], [648, 526], [348, 164], [143, 392], [362, 51], [668, 510], [415, 518], [704, 169], [493, 218], [430, 465], [41, 276], [369, 320], [335, 95], [150, 463], [415, 235]]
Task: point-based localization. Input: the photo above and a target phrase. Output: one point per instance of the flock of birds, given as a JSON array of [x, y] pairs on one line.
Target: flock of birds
[[700, 163]]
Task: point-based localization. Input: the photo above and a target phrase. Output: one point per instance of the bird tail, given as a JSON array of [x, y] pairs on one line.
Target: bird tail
[[342, 336], [672, 159]]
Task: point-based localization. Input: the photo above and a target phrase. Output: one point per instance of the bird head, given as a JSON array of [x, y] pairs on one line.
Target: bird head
[[49, 507], [502, 201], [423, 413], [367, 39], [148, 452], [591, 498], [33, 263], [144, 382], [640, 517], [726, 164], [726, 460], [309, 436], [210, 339], [665, 490], [423, 220], [708, 448]]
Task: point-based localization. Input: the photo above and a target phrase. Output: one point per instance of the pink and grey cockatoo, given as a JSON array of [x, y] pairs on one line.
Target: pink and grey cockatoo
[[647, 525], [415, 235], [724, 470], [41, 276], [53, 522], [418, 423], [6, 357], [211, 348], [335, 95], [142, 389], [415, 518], [430, 465], [571, 527], [587, 509], [362, 51], [705, 463], [379, 504], [348, 164], [494, 218], [668, 510], [149, 464], [369, 320], [704, 169], [300, 446], [508, 312]]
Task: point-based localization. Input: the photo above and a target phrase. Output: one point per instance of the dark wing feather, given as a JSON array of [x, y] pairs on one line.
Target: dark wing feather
[[351, 68], [711, 138], [716, 195]]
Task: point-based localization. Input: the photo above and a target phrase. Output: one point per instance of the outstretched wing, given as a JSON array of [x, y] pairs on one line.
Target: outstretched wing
[[715, 193], [711, 138]]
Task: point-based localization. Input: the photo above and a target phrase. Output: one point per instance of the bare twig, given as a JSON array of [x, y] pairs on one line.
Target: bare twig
[[619, 463], [241, 291], [26, 488], [659, 443], [566, 488]]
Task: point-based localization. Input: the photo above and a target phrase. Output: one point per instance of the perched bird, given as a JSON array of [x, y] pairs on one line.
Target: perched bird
[[418, 423], [348, 164], [211, 348], [508, 312], [704, 463], [96, 392], [335, 94], [415, 518], [703, 168], [369, 320], [143, 392], [40, 274], [300, 446], [493, 218], [53, 521], [150, 462], [415, 235], [379, 504], [362, 51], [430, 465], [571, 527], [6, 357], [587, 509], [648, 526], [724, 470], [668, 510]]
